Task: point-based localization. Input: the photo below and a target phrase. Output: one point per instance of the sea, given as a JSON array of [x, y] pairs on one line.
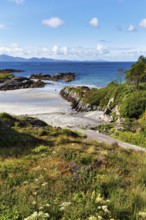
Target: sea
[[91, 74]]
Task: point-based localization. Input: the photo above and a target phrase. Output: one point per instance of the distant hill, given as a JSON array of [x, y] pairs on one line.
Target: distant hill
[[7, 58]]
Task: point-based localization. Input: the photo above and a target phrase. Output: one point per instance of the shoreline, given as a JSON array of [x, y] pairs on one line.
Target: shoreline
[[47, 105]]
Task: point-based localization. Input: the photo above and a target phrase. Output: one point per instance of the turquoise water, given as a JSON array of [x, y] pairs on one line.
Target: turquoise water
[[93, 74]]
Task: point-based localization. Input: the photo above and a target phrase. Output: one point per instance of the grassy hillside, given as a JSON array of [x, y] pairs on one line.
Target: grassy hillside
[[131, 106], [51, 173]]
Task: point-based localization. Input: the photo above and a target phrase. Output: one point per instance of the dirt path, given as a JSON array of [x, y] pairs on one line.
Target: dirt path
[[96, 136]]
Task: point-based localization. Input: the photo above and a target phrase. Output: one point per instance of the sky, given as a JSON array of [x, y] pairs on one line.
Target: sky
[[113, 30]]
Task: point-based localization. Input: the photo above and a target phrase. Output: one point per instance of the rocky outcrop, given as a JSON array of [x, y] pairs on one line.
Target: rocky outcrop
[[77, 103], [67, 77], [110, 113], [20, 83], [7, 78], [10, 71], [41, 76]]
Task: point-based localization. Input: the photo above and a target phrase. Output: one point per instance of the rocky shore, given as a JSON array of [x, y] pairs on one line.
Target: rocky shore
[[66, 77], [10, 71], [77, 103], [12, 82]]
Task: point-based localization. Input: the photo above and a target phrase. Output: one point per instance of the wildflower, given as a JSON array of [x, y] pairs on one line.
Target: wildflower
[[34, 203], [34, 214], [99, 217], [47, 215], [108, 201], [47, 205], [40, 213], [105, 209], [40, 208], [92, 217], [142, 214], [44, 184], [62, 208], [25, 182], [36, 180], [65, 204], [98, 199], [41, 177], [34, 193]]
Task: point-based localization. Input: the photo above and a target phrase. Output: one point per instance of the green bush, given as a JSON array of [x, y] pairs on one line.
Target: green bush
[[134, 105]]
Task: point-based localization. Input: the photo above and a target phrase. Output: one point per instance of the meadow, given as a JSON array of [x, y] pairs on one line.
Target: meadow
[[53, 173]]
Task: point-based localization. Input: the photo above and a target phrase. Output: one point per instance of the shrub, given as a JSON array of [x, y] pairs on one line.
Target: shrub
[[134, 105]]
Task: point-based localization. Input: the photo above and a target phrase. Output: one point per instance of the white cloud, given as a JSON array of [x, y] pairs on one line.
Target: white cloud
[[56, 50], [101, 49], [142, 23], [53, 22], [131, 28], [94, 22], [13, 49]]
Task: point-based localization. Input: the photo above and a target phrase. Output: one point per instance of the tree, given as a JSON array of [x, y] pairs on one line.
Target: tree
[[121, 73], [136, 74], [142, 59]]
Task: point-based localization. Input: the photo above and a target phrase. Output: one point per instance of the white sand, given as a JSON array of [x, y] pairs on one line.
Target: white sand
[[47, 105], [32, 101]]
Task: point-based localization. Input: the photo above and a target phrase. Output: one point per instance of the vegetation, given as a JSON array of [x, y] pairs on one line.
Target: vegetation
[[51, 173], [124, 101], [5, 75], [136, 74]]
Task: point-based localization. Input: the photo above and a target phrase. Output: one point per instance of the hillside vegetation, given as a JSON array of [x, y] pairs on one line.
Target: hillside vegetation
[[51, 173], [123, 104]]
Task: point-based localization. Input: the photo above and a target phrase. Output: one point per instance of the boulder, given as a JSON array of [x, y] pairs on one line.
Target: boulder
[[41, 76], [20, 83], [67, 77]]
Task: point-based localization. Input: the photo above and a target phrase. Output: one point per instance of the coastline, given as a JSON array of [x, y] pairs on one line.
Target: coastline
[[47, 105]]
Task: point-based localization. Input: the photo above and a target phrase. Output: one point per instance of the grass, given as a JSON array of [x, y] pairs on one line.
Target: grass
[[5, 75], [51, 173]]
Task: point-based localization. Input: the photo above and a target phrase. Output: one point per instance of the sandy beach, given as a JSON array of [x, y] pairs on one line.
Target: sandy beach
[[47, 105]]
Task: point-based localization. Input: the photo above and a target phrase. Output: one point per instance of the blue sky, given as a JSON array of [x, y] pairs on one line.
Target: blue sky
[[74, 29]]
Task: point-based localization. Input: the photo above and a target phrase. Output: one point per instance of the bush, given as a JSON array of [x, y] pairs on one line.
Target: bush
[[134, 105]]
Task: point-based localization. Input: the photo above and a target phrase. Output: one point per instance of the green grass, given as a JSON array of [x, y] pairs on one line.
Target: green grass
[[5, 75], [57, 175]]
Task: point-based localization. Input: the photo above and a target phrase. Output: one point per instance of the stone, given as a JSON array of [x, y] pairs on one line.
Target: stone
[[67, 77], [20, 83]]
